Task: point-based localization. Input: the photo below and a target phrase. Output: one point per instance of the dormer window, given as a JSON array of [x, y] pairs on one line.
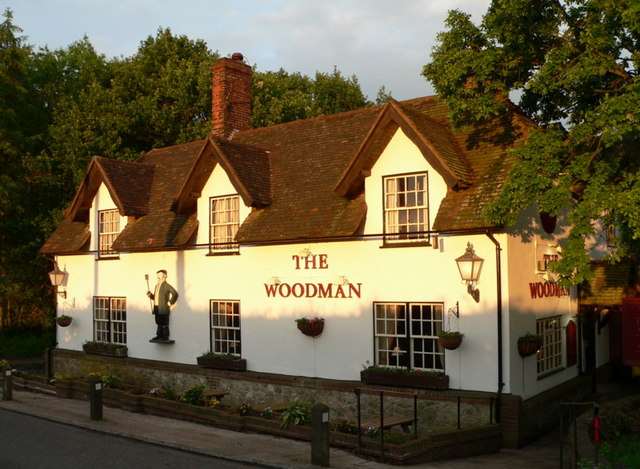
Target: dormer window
[[108, 231], [406, 208], [224, 221]]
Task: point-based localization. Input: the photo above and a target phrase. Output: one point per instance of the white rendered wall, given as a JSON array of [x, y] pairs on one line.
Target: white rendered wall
[[524, 310], [270, 339]]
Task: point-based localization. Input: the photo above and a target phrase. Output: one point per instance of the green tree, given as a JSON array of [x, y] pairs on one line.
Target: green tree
[[383, 95], [575, 65], [21, 126], [282, 97]]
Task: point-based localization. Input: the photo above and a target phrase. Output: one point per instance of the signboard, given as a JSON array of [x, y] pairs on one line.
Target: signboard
[[631, 331], [546, 290], [343, 289]]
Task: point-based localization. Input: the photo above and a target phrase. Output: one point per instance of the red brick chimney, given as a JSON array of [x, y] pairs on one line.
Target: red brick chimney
[[230, 96]]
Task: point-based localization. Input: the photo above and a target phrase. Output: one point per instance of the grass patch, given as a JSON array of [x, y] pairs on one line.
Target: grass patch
[[25, 343]]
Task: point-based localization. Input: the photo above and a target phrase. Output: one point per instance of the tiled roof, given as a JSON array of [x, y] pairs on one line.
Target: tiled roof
[[68, 237], [609, 285], [134, 198], [290, 174]]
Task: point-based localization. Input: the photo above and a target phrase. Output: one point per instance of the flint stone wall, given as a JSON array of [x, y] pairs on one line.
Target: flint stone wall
[[437, 410]]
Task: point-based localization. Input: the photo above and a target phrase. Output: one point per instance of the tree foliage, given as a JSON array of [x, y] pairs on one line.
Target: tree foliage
[[58, 108], [282, 97], [574, 64]]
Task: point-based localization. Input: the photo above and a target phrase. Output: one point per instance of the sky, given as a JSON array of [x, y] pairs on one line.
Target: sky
[[382, 42]]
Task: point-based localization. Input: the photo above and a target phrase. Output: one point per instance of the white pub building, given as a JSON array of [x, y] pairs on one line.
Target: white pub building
[[371, 220]]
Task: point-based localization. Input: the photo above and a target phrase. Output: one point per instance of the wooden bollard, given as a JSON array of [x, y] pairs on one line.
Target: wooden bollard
[[95, 399], [320, 435], [7, 385]]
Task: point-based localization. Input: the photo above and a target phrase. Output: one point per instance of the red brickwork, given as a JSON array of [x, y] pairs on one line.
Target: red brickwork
[[230, 96]]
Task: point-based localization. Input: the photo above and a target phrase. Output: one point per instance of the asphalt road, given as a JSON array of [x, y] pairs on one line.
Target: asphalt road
[[31, 443]]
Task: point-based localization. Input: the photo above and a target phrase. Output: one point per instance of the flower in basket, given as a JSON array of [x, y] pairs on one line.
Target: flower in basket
[[450, 340], [529, 344], [64, 320], [311, 327]]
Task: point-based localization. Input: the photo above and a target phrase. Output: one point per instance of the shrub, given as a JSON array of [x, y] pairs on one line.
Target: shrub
[[194, 395], [297, 413], [169, 392], [25, 343], [244, 409]]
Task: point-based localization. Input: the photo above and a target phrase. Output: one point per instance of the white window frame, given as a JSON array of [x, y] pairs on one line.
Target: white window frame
[[230, 223], [111, 325], [224, 327], [108, 230], [550, 357], [399, 203], [405, 338]]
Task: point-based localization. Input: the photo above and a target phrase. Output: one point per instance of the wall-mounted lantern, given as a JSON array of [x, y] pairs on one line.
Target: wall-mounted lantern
[[470, 265], [58, 278]]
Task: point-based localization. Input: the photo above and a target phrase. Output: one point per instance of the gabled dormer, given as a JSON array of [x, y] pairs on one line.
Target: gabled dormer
[[405, 166], [112, 193], [225, 183]]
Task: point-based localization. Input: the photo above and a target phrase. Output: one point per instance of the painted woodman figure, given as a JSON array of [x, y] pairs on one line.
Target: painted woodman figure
[[164, 300]]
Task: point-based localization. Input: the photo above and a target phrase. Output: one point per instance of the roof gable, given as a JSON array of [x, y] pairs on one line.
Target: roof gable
[[246, 166], [434, 140], [128, 184]]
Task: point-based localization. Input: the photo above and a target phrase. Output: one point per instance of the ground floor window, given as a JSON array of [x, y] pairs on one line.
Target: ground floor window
[[550, 354], [406, 335], [225, 327], [110, 319]]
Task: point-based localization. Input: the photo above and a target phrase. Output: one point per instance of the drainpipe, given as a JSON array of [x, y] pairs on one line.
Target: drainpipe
[[499, 320]]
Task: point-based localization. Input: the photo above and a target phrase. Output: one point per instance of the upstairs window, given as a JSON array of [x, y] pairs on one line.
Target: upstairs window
[[224, 221], [108, 231], [406, 208]]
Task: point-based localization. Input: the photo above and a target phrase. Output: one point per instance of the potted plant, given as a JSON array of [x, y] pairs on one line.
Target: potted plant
[[311, 327], [4, 365], [529, 344], [64, 320], [105, 348], [403, 377], [450, 340], [221, 361]]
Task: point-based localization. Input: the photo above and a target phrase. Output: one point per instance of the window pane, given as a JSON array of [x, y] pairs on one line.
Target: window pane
[[225, 327], [405, 208], [225, 221]]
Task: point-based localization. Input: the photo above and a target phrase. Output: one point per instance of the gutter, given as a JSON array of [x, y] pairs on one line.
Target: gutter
[[499, 320]]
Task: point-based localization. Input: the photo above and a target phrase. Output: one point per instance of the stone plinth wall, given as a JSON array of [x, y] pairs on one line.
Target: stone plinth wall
[[437, 410]]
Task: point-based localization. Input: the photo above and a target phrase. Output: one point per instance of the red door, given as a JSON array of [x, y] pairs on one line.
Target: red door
[[631, 331]]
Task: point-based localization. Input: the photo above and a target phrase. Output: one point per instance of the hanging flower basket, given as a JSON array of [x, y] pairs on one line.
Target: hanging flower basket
[[450, 340], [312, 327], [548, 222], [529, 344], [64, 320]]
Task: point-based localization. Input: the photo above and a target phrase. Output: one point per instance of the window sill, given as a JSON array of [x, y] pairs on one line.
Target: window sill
[[546, 374], [107, 258], [223, 253], [407, 244]]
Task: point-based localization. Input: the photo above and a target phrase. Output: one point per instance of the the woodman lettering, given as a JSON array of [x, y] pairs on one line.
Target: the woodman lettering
[[547, 289], [310, 289]]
